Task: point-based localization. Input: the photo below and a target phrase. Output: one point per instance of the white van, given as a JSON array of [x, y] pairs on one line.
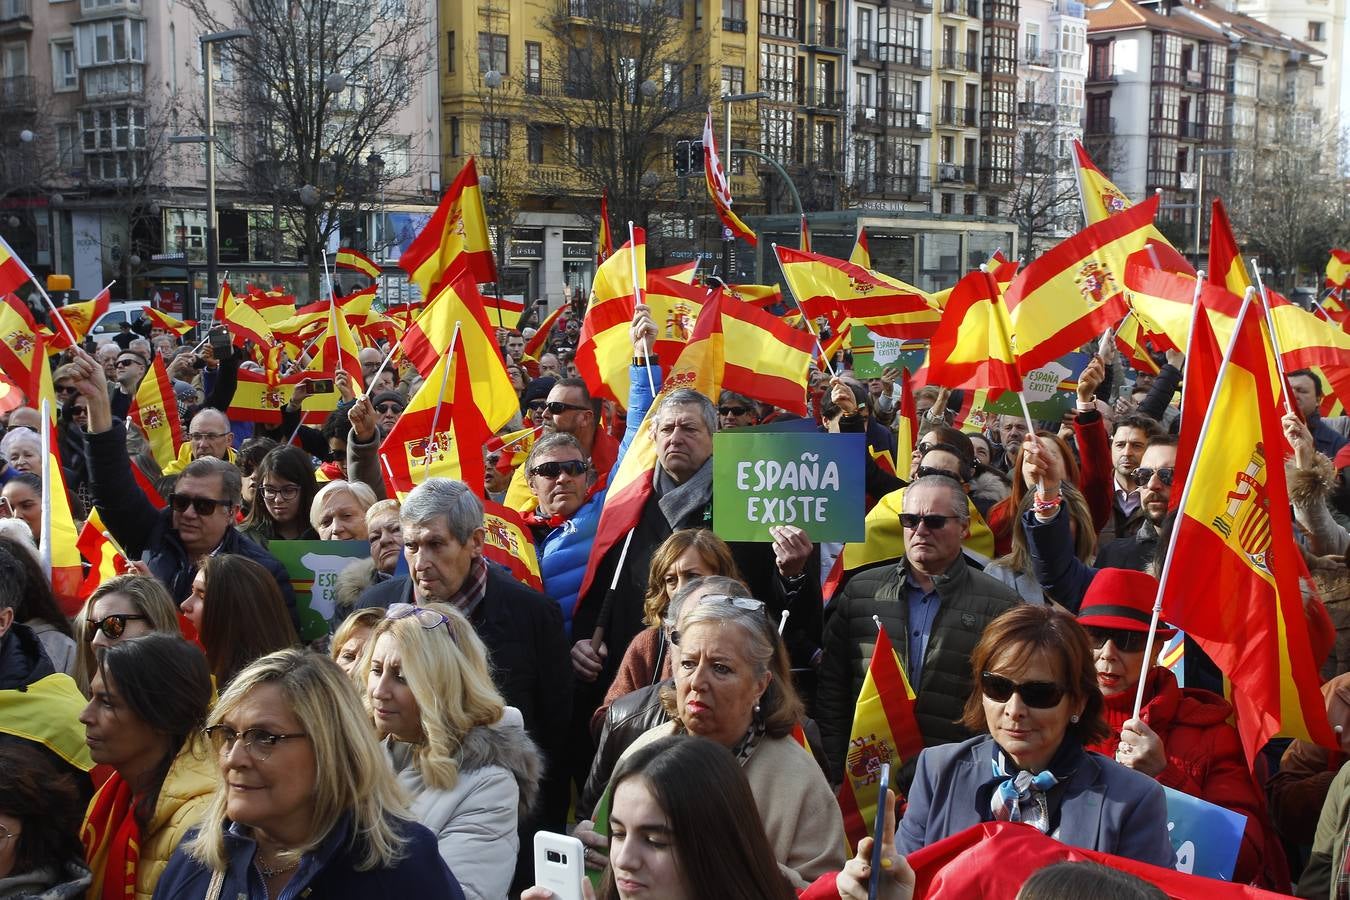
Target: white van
[[110, 323]]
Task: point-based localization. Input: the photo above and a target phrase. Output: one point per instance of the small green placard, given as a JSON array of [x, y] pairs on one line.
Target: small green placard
[[872, 353], [812, 481], [1051, 390], [314, 567]]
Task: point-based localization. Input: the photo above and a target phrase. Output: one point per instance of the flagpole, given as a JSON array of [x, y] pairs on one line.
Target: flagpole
[[787, 283], [45, 526], [1274, 338], [637, 301], [440, 395], [598, 636], [1185, 495], [393, 348]]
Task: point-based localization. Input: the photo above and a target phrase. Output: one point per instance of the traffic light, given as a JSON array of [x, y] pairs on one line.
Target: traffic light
[[688, 157]]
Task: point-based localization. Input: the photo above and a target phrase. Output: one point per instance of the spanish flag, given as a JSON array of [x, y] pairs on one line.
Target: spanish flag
[[56, 548], [260, 396], [78, 318], [681, 272], [154, 410], [1226, 266], [106, 559], [1074, 292], [675, 306], [347, 258], [13, 273], [243, 321], [507, 541], [884, 731], [605, 244], [1338, 269], [1101, 199], [456, 236], [274, 306], [804, 238], [338, 351], [503, 312], [1244, 607], [861, 255], [760, 295], [537, 344], [604, 348], [19, 344], [885, 305], [972, 347], [906, 425], [1130, 341], [719, 187], [763, 357], [159, 319]]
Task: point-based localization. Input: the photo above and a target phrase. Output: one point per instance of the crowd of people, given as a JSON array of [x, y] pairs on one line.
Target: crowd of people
[[686, 711]]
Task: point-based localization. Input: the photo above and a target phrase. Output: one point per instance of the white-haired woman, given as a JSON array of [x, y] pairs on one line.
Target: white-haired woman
[[458, 750], [339, 511], [306, 804]]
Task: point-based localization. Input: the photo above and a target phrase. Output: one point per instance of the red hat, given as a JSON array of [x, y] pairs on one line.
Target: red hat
[[1121, 599], [1342, 458]]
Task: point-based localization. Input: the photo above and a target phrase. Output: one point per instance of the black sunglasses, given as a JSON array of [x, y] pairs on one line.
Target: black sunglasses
[[388, 408], [204, 506], [537, 404], [1125, 641], [554, 468], [933, 521], [1143, 476], [112, 626], [732, 410], [1036, 694], [925, 471], [557, 407]]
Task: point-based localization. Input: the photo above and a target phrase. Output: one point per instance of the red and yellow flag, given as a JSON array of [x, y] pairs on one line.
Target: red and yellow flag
[[886, 306], [1072, 293], [1244, 607], [682, 272], [884, 731], [604, 348], [78, 318], [13, 272], [160, 319], [1226, 266], [426, 343], [259, 397], [760, 295], [1101, 199], [338, 351], [243, 321], [106, 559], [804, 238], [537, 343], [347, 258], [56, 547], [154, 410], [1338, 269], [605, 245], [503, 312], [675, 306], [19, 344], [507, 541], [862, 254], [906, 425], [719, 186], [763, 357], [972, 347], [455, 237], [274, 306]]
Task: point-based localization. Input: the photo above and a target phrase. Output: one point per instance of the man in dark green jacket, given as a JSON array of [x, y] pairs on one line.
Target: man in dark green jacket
[[934, 606]]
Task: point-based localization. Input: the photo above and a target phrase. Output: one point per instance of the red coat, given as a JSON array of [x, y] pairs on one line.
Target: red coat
[[1205, 759]]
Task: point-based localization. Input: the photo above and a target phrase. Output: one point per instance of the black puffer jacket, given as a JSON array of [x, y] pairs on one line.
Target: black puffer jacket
[[970, 600]]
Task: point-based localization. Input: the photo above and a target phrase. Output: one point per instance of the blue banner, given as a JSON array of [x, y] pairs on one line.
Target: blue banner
[[1205, 837]]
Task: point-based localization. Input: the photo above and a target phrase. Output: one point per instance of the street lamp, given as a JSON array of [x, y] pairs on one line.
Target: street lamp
[[208, 42]]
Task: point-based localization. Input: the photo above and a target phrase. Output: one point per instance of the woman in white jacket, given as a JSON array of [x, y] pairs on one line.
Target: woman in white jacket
[[462, 755]]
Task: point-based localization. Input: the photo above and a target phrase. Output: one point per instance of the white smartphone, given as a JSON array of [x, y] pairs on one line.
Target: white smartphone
[[559, 864]]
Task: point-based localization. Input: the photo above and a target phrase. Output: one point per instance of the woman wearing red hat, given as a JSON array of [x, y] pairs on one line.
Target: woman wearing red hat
[[1182, 737]]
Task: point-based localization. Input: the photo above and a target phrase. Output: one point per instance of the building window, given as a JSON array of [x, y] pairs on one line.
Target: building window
[[65, 76], [493, 138], [585, 147], [100, 5], [1317, 31], [778, 71], [67, 146], [454, 136], [113, 142], [948, 203], [534, 144], [968, 202], [450, 52], [110, 41], [534, 67], [776, 132], [733, 80], [492, 55]]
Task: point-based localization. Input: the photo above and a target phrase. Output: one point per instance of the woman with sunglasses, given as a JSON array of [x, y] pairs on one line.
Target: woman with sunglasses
[[238, 612], [460, 753], [283, 489], [733, 686], [119, 609], [304, 800], [1037, 702], [150, 699], [1182, 737]]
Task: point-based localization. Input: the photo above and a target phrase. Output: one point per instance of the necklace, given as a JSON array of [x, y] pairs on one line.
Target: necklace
[[268, 872]]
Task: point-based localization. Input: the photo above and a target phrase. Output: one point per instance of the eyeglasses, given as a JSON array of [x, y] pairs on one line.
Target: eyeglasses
[[206, 435], [932, 521], [928, 448], [129, 362], [537, 405], [389, 408], [286, 492], [113, 627], [427, 618], [554, 468], [1036, 694], [925, 471], [1125, 641], [1143, 476], [732, 410], [336, 455], [747, 603], [204, 506], [66, 389], [557, 407], [258, 742]]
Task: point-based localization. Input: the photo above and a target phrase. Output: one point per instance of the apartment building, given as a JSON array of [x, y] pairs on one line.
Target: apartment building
[[1320, 25], [101, 85]]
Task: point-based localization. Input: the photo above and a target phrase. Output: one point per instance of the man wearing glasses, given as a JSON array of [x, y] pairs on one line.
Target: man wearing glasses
[[934, 605], [199, 520], [130, 369], [1060, 573], [208, 435], [570, 409]]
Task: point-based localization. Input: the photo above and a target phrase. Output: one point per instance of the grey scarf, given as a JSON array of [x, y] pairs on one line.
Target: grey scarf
[[678, 501]]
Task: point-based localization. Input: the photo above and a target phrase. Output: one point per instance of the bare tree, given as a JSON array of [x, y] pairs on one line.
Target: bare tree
[[320, 82], [1287, 201], [1043, 201], [626, 72]]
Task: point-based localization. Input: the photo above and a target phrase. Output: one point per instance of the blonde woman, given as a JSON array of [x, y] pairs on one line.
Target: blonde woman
[[305, 803], [119, 609], [351, 637], [457, 749]]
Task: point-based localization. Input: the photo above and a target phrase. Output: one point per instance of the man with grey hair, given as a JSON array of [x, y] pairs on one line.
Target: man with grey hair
[[443, 541], [199, 518], [934, 605]]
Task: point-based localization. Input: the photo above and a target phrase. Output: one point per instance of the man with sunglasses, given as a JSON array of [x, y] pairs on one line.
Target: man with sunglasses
[[570, 409], [562, 480], [1182, 737], [736, 411], [1062, 574], [198, 520], [130, 368], [934, 605]]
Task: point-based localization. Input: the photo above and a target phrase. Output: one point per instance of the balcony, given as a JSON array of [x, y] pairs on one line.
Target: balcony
[[16, 17], [1072, 9], [1100, 75], [735, 26], [907, 57], [631, 13], [553, 179], [954, 173], [958, 61], [1044, 59], [956, 117], [904, 187], [1195, 131], [18, 94], [820, 98], [865, 116], [910, 120], [1103, 126], [865, 51], [773, 25], [826, 37], [922, 6], [1036, 112], [577, 89], [969, 8]]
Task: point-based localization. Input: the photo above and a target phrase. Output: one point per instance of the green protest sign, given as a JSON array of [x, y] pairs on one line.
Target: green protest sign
[[812, 481], [873, 352], [1051, 390], [313, 567]]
